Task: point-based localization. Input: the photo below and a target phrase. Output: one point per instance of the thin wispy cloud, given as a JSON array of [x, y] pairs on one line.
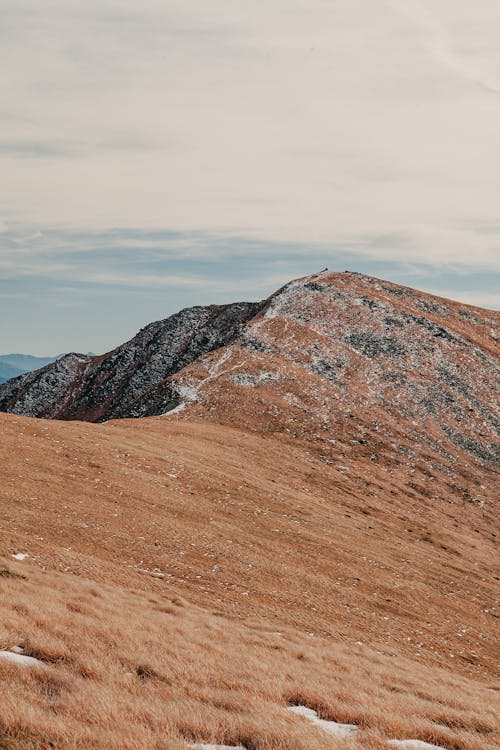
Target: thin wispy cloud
[[38, 149], [214, 262], [465, 245]]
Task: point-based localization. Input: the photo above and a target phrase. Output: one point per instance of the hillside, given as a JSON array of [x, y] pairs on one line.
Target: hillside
[[8, 371], [314, 523]]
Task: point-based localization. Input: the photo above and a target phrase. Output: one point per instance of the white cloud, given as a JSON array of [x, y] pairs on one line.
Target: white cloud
[[28, 238]]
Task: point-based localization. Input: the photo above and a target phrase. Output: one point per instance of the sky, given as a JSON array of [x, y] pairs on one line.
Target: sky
[[167, 153]]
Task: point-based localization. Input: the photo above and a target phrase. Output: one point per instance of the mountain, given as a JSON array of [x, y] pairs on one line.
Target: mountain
[[305, 514], [12, 365], [27, 362], [8, 371]]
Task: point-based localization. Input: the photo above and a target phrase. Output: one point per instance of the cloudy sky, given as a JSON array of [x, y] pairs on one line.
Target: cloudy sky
[[166, 153]]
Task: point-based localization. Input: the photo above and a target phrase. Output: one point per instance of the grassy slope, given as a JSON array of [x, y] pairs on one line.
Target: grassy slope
[[166, 554]]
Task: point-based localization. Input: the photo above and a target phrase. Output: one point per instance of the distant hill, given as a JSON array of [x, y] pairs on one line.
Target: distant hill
[[331, 348], [27, 362], [330, 360], [12, 365], [8, 371]]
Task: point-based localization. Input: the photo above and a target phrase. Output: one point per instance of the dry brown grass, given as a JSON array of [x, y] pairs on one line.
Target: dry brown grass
[[127, 669], [164, 557]]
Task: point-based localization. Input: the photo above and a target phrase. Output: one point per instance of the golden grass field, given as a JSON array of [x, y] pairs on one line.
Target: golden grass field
[[186, 581]]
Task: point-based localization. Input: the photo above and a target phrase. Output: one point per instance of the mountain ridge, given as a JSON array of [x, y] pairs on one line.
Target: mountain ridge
[[11, 397], [61, 389]]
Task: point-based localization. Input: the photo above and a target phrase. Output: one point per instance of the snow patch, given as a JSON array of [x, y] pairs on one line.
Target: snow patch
[[279, 302], [214, 369], [413, 745], [19, 659], [217, 747], [20, 556], [332, 727], [188, 395]]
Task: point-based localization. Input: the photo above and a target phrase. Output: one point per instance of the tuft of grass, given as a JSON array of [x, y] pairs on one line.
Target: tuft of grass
[[7, 573]]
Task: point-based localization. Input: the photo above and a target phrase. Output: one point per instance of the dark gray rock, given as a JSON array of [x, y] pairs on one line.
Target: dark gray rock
[[373, 345]]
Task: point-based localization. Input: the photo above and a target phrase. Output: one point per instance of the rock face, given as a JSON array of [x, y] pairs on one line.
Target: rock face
[[115, 384], [353, 366]]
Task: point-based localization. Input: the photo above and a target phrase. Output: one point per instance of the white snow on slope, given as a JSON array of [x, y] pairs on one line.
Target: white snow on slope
[[188, 395], [19, 659], [20, 556], [332, 727], [413, 745]]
